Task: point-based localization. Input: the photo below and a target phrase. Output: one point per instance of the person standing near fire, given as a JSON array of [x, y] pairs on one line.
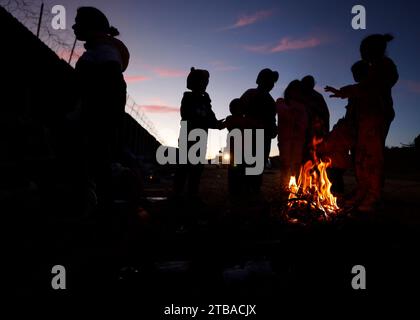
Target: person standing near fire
[[293, 120], [103, 96], [259, 105], [374, 120], [339, 145], [317, 109], [197, 111], [318, 117]]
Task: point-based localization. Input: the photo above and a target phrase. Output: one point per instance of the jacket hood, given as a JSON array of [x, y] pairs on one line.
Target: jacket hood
[[107, 48]]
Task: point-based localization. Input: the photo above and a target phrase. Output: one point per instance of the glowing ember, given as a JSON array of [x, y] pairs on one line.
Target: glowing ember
[[312, 193]]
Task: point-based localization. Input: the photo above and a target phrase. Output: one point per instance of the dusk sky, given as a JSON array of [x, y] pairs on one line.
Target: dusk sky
[[234, 39]]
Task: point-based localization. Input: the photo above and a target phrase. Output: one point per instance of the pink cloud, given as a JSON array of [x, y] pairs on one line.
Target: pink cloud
[[132, 79], [287, 44], [159, 109], [246, 20], [156, 101], [169, 73]]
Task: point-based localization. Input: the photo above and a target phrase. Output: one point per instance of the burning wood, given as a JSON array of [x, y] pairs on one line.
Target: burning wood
[[310, 198]]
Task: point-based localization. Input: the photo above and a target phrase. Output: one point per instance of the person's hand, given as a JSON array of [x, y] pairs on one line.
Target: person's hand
[[221, 124], [336, 93]]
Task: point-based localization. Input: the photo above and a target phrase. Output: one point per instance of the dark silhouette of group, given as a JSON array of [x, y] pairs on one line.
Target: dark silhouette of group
[[302, 114]]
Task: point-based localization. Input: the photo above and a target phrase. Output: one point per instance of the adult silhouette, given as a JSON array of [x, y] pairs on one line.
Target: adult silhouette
[[259, 105], [319, 115], [103, 94], [293, 123], [375, 117]]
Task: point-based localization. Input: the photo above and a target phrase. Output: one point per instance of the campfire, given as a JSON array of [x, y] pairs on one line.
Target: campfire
[[310, 198]]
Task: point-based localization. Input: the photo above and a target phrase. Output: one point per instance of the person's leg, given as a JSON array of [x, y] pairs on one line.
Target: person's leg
[[99, 146], [361, 150], [337, 180], [181, 175], [374, 164], [283, 164], [267, 149], [232, 181], [257, 180], [386, 128], [194, 179]]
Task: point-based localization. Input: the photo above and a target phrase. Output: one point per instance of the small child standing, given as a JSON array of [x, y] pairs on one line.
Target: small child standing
[[237, 183], [197, 111]]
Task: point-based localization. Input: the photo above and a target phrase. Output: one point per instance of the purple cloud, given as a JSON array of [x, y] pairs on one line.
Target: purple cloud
[[287, 44]]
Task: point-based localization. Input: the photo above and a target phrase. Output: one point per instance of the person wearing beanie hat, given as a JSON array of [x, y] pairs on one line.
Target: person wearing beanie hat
[[102, 92], [259, 105], [267, 77], [196, 111]]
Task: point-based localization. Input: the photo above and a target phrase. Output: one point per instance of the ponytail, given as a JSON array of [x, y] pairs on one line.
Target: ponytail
[[388, 37], [374, 46], [113, 32]]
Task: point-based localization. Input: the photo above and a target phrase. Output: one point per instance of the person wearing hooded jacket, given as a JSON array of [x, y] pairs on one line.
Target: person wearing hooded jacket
[[102, 92]]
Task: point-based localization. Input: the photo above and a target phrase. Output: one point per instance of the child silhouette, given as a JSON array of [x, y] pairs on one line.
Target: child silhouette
[[196, 111]]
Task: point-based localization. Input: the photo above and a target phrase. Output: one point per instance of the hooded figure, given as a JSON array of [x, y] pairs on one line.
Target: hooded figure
[[102, 92]]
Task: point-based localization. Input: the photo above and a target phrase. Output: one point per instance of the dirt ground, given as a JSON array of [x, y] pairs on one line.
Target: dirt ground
[[222, 251], [401, 203]]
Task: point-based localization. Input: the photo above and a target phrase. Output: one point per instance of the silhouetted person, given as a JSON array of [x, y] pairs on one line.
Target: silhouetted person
[[260, 106], [236, 172], [417, 144], [103, 94], [292, 131], [197, 111], [342, 139], [319, 115], [237, 183], [376, 115], [383, 74]]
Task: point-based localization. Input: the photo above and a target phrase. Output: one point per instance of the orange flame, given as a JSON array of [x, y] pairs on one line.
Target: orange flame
[[314, 188]]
